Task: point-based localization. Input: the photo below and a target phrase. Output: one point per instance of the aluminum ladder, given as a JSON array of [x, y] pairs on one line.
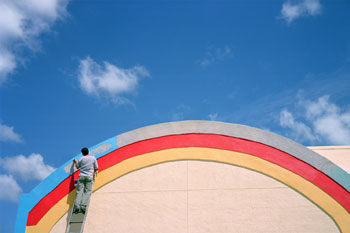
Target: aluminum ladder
[[76, 222]]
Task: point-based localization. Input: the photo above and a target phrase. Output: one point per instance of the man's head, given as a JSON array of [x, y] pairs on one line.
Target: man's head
[[85, 151]]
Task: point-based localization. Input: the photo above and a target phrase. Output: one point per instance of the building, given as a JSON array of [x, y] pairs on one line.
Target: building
[[200, 176]]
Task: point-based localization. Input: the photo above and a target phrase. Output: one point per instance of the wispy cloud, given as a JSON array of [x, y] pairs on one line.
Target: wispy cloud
[[291, 12], [265, 111], [300, 131], [10, 190], [27, 168], [181, 112], [109, 80], [213, 116], [329, 120], [214, 55], [20, 167], [321, 121], [7, 134], [21, 22]]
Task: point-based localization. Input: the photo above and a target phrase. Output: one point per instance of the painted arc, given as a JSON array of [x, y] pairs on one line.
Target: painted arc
[[307, 176]]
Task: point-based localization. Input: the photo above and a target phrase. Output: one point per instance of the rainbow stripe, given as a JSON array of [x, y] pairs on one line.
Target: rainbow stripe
[[325, 190]]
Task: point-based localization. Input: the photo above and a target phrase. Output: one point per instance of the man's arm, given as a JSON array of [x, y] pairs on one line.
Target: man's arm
[[76, 163], [95, 168]]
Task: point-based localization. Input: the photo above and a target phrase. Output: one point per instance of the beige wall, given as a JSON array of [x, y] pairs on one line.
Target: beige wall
[[340, 155], [195, 196]]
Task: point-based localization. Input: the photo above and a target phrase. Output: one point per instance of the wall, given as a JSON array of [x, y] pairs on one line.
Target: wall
[[316, 181], [197, 196]]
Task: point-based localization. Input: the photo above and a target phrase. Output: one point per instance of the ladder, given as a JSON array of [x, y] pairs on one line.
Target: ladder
[[76, 221]]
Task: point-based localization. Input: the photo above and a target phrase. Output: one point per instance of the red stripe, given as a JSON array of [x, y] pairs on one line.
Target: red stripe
[[199, 140]]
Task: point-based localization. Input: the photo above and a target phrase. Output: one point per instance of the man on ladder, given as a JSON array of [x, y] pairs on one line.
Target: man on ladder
[[88, 170]]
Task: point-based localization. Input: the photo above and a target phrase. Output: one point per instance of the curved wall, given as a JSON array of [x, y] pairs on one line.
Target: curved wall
[[318, 179], [198, 196]]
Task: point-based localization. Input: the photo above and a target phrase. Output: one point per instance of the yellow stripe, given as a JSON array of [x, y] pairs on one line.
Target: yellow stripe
[[308, 189]]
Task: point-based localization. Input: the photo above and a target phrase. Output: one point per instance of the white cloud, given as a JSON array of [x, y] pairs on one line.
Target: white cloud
[[177, 116], [213, 116], [320, 107], [27, 168], [21, 21], [7, 64], [181, 112], [329, 120], [313, 7], [300, 131], [324, 122], [10, 21], [215, 55], [7, 134], [109, 79], [291, 11], [10, 190]]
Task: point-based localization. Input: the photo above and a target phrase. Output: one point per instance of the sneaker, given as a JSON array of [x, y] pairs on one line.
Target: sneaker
[[76, 211]]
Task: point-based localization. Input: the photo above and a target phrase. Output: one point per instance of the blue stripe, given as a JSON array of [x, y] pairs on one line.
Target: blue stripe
[[29, 200], [341, 177]]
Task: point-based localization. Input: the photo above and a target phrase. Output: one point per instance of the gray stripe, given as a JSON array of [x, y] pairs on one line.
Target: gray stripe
[[240, 131]]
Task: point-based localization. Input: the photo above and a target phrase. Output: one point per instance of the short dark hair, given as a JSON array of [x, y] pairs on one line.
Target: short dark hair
[[85, 151]]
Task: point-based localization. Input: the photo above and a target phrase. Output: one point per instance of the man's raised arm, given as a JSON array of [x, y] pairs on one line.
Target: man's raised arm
[[76, 163]]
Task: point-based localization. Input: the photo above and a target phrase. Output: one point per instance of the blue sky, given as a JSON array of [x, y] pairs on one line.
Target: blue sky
[[74, 73]]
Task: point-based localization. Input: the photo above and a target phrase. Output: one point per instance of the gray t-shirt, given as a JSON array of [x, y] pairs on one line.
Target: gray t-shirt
[[87, 165]]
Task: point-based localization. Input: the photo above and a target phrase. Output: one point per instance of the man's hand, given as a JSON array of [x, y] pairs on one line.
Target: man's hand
[[95, 174]]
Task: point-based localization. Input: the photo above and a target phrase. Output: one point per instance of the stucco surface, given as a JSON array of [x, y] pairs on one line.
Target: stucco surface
[[339, 155], [238, 145], [239, 131], [197, 196]]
